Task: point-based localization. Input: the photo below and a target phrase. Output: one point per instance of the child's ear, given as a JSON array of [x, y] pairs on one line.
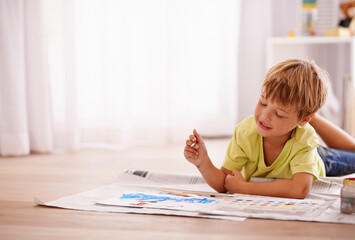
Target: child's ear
[[306, 119]]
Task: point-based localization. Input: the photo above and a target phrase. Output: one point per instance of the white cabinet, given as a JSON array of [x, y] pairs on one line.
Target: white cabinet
[[335, 54]]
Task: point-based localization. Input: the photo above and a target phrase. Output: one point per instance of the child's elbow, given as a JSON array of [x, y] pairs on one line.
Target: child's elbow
[[301, 185], [301, 193]]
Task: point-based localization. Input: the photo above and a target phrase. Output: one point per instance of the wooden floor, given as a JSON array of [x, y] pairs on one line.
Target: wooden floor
[[53, 176]]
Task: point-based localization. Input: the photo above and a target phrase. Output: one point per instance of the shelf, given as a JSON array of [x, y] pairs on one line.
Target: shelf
[[310, 40]]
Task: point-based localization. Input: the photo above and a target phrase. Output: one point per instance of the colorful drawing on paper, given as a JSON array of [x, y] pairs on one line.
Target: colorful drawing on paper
[[157, 199], [162, 198], [261, 205]]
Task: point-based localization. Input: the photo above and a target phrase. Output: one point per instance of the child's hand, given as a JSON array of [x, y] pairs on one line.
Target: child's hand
[[234, 182], [195, 150]]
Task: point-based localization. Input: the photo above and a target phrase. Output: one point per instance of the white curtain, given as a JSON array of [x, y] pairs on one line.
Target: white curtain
[[144, 72], [121, 73], [25, 102]]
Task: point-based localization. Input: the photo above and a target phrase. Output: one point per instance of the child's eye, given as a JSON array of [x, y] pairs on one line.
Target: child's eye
[[262, 104], [279, 116]]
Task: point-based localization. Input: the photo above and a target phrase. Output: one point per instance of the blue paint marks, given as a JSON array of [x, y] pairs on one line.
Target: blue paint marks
[[148, 197]]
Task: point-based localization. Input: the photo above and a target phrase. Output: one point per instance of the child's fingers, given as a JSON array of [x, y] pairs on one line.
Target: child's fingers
[[190, 152], [192, 142], [198, 137], [195, 146], [192, 138], [235, 172]]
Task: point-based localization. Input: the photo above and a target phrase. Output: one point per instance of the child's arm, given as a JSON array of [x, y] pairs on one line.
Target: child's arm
[[297, 187], [332, 135], [196, 152]]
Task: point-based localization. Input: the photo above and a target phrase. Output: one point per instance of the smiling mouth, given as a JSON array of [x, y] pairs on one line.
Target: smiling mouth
[[264, 126]]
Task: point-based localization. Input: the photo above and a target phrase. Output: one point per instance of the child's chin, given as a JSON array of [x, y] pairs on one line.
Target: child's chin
[[262, 132]]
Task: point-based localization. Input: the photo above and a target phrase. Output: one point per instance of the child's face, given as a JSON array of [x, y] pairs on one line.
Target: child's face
[[274, 119]]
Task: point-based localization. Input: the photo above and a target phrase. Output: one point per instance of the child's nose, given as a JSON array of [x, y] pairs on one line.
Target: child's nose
[[267, 115]]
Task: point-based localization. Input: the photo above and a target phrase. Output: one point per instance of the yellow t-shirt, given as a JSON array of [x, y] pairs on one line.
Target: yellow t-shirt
[[245, 152]]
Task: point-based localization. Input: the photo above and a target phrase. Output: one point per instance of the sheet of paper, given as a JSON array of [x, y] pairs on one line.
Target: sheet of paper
[[324, 185], [86, 201], [129, 180], [154, 198], [167, 178], [326, 189], [267, 207], [327, 185]]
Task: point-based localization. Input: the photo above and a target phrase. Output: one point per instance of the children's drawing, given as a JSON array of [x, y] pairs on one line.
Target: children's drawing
[[161, 198], [239, 205], [157, 199]]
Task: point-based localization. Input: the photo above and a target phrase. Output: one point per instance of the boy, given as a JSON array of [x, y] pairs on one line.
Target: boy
[[277, 142]]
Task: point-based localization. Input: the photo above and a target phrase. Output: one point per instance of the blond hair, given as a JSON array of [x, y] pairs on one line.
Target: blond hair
[[301, 84]]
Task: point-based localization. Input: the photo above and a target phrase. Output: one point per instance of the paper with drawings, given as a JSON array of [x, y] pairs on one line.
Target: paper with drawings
[[325, 189], [154, 198], [86, 201], [133, 180]]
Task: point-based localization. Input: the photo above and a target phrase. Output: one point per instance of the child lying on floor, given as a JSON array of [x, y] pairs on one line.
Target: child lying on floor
[[278, 141]]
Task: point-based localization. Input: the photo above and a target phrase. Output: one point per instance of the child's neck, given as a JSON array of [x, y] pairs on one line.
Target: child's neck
[[272, 147]]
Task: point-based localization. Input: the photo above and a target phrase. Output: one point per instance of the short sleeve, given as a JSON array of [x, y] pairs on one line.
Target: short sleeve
[[235, 157], [306, 161]]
